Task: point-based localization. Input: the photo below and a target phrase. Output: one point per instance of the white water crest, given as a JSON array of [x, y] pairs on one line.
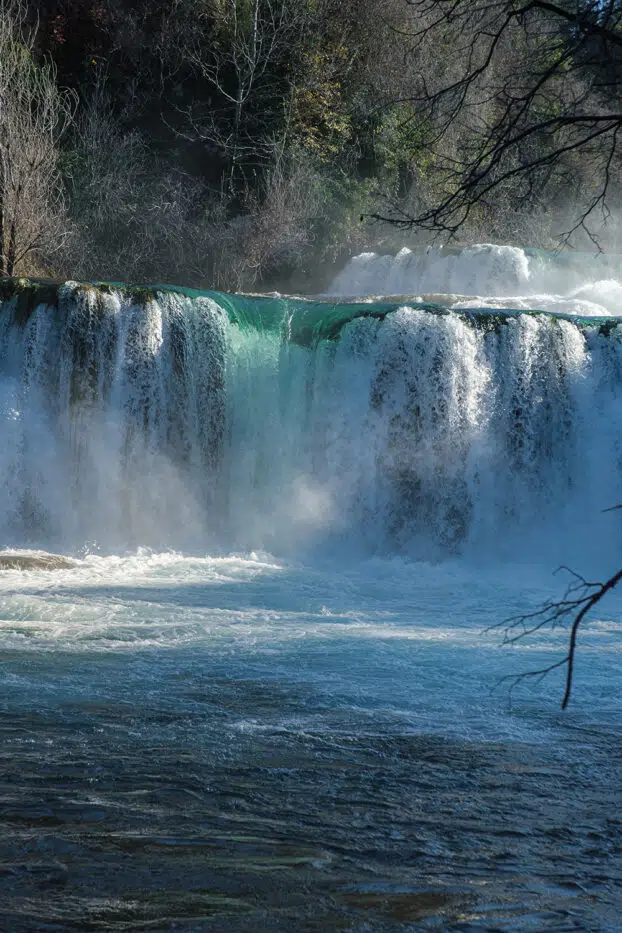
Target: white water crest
[[492, 276]]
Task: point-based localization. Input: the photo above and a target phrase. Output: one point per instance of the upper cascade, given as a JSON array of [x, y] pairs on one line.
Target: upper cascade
[[489, 275]]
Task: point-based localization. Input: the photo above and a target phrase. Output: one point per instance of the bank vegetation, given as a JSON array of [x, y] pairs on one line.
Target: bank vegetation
[[246, 144]]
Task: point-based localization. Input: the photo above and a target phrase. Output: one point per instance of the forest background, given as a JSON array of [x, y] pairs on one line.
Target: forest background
[[255, 144]]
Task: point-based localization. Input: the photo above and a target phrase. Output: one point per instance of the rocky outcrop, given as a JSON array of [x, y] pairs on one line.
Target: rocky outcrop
[[34, 560]]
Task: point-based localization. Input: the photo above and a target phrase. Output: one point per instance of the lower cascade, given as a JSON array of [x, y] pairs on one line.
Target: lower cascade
[[169, 418]]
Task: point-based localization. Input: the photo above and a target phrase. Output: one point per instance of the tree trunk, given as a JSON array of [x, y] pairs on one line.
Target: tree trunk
[[12, 250], [2, 258], [2, 204]]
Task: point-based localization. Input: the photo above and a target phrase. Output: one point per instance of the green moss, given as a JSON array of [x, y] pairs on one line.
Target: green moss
[[605, 328], [483, 322], [140, 295], [27, 295]]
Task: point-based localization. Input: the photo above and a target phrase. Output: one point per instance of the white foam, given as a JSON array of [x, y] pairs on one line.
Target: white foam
[[492, 276]]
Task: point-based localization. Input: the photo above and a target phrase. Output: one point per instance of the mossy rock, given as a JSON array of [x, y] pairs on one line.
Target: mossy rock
[[29, 560], [28, 295], [139, 295]]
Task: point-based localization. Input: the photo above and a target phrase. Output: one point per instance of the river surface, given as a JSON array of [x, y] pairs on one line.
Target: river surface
[[241, 744]]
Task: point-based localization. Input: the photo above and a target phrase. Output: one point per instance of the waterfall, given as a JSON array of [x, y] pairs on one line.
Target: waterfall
[[176, 419], [500, 277], [113, 418]]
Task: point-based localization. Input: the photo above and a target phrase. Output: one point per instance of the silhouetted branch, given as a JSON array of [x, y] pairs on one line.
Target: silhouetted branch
[[579, 598], [536, 84]]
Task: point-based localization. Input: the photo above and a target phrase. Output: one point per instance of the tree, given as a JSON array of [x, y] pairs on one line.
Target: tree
[[33, 116], [242, 51], [526, 103]]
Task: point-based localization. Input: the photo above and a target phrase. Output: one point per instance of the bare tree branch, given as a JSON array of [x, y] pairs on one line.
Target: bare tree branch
[[533, 85], [34, 114], [578, 600]]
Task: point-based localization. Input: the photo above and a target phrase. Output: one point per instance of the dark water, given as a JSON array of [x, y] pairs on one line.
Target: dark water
[[291, 781], [122, 819]]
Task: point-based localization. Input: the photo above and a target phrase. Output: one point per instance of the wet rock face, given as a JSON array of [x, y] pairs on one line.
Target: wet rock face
[[16, 560]]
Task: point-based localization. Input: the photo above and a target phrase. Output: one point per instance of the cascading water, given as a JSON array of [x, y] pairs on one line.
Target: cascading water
[[255, 690], [502, 277], [210, 421], [114, 416]]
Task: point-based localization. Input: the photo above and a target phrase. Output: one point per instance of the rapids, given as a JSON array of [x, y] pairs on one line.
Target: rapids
[[259, 689]]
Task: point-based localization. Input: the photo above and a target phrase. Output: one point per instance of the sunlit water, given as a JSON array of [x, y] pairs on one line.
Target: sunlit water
[[314, 735]]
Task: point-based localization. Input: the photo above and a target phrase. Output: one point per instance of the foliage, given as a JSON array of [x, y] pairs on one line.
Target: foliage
[[238, 143], [532, 86], [33, 116]]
